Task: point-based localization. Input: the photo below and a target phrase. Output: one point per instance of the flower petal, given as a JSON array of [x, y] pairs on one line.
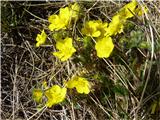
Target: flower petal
[[104, 47]]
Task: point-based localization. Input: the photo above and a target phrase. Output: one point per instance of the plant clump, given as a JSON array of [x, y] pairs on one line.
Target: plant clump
[[100, 32]]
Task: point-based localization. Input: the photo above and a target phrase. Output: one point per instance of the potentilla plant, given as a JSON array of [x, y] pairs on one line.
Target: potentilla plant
[[100, 32]]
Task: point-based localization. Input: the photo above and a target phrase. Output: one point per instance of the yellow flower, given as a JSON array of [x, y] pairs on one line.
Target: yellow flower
[[37, 95], [62, 20], [141, 10], [75, 8], [56, 23], [65, 48], [90, 29], [81, 84], [115, 26], [104, 47], [41, 38], [65, 15], [94, 28], [128, 10], [55, 95], [59, 21]]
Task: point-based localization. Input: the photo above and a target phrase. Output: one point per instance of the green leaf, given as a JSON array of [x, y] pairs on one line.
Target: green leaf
[[87, 42], [37, 95], [120, 90]]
